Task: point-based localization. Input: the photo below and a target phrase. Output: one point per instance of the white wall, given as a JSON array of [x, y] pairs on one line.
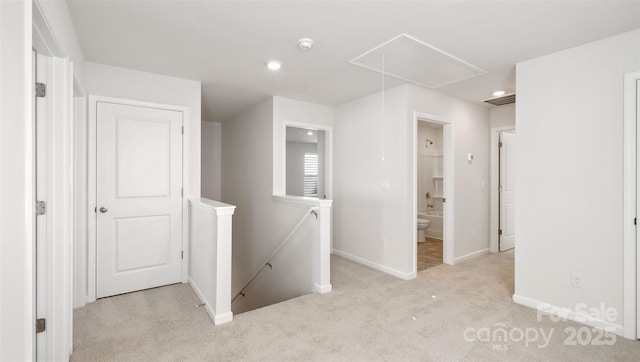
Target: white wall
[[246, 172], [290, 110], [59, 23], [365, 214], [295, 166], [260, 223], [375, 225], [111, 81], [17, 310], [130, 84], [570, 173], [211, 159], [503, 116], [471, 188]]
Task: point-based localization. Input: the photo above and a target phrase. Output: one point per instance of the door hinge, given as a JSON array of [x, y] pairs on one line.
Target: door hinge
[[182, 130], [182, 255], [182, 192], [41, 90], [41, 325], [41, 207], [500, 144], [635, 221], [500, 188], [499, 231]]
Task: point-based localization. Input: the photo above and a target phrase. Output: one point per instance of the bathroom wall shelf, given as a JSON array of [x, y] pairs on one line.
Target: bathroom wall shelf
[[437, 177], [437, 196]]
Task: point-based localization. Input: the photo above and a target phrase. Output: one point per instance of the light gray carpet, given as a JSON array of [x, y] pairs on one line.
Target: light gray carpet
[[369, 316]]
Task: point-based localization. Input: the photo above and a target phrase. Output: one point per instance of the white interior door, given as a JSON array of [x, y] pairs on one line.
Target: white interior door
[[507, 193], [138, 198], [637, 208]]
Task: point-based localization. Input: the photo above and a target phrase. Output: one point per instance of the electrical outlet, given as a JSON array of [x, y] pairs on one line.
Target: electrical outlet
[[577, 280], [473, 233], [384, 243]]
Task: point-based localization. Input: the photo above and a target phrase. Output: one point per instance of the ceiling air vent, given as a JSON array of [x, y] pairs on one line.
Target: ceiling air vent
[[501, 101]]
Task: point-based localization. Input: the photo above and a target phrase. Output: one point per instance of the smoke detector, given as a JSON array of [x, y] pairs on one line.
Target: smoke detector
[[305, 44]]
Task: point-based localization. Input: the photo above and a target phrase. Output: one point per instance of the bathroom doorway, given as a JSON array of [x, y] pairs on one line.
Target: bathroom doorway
[[433, 192]]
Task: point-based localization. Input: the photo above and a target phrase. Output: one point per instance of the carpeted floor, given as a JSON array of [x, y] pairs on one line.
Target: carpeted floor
[[370, 316], [429, 253]]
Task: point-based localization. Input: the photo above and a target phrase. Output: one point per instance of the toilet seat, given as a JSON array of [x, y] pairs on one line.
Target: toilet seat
[[424, 223]]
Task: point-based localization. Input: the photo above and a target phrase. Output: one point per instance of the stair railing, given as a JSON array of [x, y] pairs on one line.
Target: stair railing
[[312, 211]]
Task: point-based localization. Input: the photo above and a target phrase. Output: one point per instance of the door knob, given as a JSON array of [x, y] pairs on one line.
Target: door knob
[[103, 209]]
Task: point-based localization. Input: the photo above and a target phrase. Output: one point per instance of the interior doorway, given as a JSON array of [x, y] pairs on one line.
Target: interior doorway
[[433, 192], [498, 155], [631, 232], [137, 232], [506, 190], [431, 199]]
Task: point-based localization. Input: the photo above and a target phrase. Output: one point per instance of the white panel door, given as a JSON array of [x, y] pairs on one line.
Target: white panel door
[[637, 208], [139, 198], [507, 235]]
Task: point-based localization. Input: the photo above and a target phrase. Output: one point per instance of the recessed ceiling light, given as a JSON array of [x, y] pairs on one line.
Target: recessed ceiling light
[[309, 133], [305, 44], [274, 65], [499, 93]]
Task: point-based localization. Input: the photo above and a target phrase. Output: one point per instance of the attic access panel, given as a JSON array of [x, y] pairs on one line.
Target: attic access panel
[[407, 58]]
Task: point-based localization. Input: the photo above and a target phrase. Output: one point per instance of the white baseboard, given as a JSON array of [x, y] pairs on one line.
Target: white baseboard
[[471, 255], [216, 319], [370, 264], [569, 314], [322, 289]]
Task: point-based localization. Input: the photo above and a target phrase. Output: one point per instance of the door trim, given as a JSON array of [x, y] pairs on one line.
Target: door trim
[[92, 184], [448, 236], [494, 182], [630, 258]]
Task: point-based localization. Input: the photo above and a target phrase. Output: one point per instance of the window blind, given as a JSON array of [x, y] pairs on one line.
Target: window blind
[[311, 174]]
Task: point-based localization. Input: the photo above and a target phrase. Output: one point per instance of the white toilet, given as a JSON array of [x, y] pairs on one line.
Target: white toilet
[[423, 224]]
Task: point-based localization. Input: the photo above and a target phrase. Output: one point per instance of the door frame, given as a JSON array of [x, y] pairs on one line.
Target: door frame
[[92, 184], [448, 235], [494, 182], [631, 274], [55, 150], [58, 113]]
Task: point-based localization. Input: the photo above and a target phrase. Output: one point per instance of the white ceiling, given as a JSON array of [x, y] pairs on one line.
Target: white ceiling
[[225, 44]]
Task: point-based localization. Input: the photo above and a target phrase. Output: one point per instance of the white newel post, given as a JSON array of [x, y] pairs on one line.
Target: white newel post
[[210, 249], [322, 248], [223, 263]]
